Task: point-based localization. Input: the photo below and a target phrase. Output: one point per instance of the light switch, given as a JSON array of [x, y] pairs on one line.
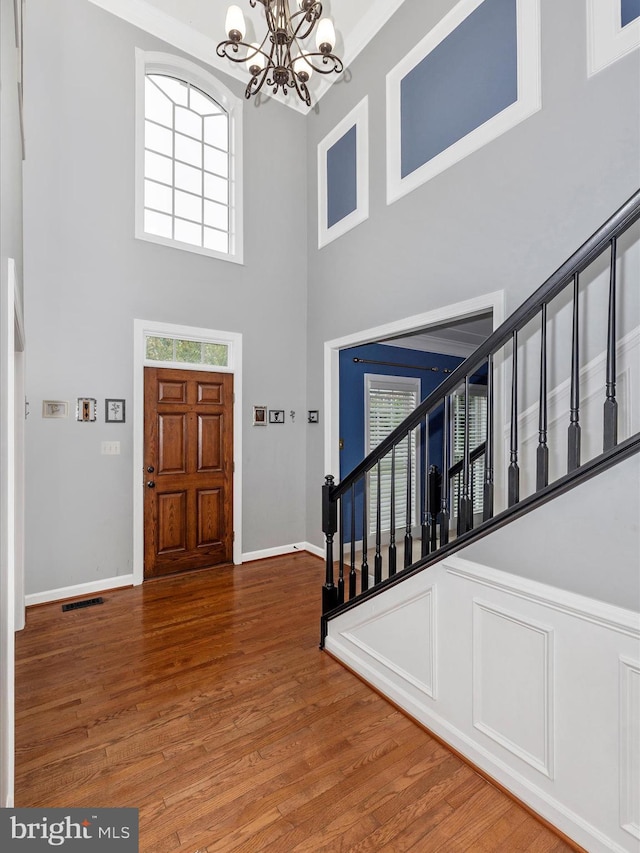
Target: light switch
[[110, 448]]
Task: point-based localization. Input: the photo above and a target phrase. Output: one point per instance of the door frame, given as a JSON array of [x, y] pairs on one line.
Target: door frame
[[494, 302], [11, 514], [141, 328]]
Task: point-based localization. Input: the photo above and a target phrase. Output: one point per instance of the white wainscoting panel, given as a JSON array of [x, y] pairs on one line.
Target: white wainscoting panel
[[402, 639], [513, 684], [537, 686], [630, 747]]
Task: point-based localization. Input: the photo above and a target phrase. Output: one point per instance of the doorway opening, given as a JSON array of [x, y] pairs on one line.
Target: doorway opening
[[480, 316]]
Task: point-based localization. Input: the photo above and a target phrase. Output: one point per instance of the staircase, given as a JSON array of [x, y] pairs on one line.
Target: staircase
[[485, 580], [446, 504]]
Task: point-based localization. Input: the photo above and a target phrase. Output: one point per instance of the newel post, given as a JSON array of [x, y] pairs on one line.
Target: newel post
[[329, 527]]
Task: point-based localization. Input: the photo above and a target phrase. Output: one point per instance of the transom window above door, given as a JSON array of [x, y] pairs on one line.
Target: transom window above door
[[189, 169]]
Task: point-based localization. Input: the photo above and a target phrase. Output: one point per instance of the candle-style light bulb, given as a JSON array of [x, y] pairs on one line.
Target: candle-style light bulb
[[325, 35], [234, 23]]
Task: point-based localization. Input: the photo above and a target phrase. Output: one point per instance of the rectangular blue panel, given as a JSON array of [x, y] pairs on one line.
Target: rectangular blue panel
[[629, 11], [342, 175], [471, 76]]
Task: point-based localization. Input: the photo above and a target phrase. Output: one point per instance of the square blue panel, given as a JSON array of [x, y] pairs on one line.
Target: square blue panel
[[629, 11], [471, 76], [342, 178]]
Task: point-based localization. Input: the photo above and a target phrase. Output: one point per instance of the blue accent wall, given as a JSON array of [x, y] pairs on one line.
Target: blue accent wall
[[471, 76], [342, 190], [352, 403], [629, 10]]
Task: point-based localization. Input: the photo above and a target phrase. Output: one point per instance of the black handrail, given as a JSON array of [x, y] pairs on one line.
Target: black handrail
[[473, 457], [621, 220]]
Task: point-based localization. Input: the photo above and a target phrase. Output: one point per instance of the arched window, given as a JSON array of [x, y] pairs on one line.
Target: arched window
[[189, 164]]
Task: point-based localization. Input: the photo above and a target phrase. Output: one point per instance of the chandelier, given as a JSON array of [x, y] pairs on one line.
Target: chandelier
[[281, 60]]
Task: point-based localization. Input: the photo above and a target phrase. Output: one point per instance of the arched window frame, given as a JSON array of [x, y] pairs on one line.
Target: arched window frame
[[152, 62]]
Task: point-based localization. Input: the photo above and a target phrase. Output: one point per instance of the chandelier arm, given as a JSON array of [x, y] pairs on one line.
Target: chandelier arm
[[336, 66], [309, 17], [301, 89], [228, 45], [294, 81], [254, 85]]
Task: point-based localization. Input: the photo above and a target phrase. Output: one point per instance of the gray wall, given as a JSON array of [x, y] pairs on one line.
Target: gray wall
[[601, 521], [503, 218], [10, 147], [88, 278]]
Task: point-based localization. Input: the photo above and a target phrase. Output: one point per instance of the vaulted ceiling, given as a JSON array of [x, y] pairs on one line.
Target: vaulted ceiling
[[196, 27]]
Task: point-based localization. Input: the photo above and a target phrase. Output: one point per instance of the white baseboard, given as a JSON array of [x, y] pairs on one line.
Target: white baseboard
[[77, 590], [278, 551], [127, 580]]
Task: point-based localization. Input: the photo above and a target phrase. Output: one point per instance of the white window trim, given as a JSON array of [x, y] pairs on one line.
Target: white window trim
[[528, 102], [141, 329], [607, 39], [359, 116], [152, 62]]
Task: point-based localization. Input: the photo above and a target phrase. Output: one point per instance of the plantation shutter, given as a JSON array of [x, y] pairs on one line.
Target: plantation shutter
[[389, 400]]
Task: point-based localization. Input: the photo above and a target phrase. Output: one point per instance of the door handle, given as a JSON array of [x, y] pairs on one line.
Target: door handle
[[151, 484], [151, 469]]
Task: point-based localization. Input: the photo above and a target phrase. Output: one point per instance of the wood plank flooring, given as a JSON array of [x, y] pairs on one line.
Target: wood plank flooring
[[204, 701]]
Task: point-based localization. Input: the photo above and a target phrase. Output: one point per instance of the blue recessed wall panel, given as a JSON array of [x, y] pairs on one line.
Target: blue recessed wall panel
[[342, 192], [471, 76], [630, 11]]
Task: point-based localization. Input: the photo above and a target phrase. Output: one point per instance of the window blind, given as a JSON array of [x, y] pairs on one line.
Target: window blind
[[477, 434], [389, 401]]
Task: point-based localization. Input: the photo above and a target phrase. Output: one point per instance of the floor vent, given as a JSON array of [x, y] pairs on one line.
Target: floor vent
[[86, 602]]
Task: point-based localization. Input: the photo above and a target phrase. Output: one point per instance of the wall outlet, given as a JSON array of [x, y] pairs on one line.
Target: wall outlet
[[110, 448]]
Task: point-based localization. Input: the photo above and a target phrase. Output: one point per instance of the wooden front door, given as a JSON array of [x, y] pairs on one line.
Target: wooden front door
[[188, 470]]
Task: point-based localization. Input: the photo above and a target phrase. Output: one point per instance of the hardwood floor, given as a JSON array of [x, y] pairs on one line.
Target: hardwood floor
[[204, 701]]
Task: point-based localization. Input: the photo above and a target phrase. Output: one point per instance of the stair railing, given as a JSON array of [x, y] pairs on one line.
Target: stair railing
[[371, 504]]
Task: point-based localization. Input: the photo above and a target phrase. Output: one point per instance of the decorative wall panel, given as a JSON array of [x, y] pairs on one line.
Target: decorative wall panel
[[473, 77], [343, 176], [630, 746], [513, 684], [613, 31], [386, 636]]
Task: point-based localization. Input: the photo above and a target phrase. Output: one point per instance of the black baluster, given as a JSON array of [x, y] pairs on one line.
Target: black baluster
[[611, 404], [425, 533], [573, 455], [364, 569], [341, 557], [542, 453], [487, 496], [434, 505], [352, 568], [408, 536], [392, 523], [514, 470], [465, 505], [377, 561], [329, 525], [444, 494]]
